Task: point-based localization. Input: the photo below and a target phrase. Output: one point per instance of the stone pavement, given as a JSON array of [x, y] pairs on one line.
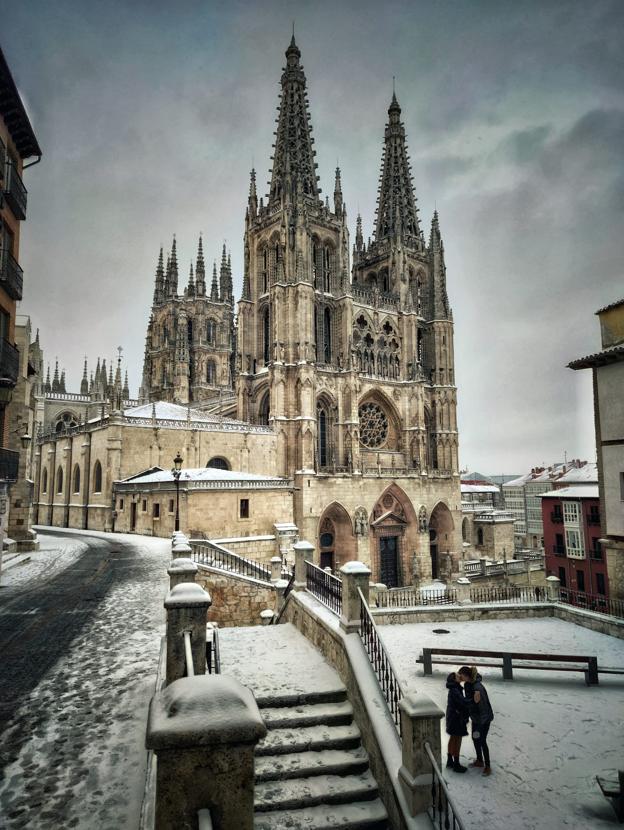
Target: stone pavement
[[80, 647]]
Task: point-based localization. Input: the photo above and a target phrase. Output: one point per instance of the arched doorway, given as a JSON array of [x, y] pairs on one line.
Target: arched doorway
[[394, 539], [440, 538], [335, 538]]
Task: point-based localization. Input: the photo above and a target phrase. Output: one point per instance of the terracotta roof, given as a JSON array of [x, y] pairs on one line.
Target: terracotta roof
[[612, 355], [610, 306]]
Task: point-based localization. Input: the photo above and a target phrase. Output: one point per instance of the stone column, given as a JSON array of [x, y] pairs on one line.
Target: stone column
[[382, 594], [462, 586], [187, 605], [204, 731], [354, 575], [179, 549], [280, 590], [483, 566], [181, 570], [303, 551], [554, 588], [276, 568], [420, 722]]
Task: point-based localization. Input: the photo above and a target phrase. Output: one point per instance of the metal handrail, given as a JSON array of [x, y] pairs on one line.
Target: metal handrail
[[413, 598], [224, 559], [324, 586], [188, 654], [443, 811], [510, 593], [598, 603], [381, 662], [277, 617]]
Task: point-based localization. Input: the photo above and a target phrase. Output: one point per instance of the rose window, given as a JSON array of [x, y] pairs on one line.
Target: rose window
[[373, 425]]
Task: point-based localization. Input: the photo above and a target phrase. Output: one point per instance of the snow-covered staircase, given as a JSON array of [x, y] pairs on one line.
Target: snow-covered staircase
[[311, 769]]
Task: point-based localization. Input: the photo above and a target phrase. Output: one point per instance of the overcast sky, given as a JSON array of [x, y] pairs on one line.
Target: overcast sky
[[150, 115]]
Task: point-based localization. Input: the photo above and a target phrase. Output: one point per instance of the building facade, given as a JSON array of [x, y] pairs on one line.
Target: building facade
[[17, 144], [608, 381]]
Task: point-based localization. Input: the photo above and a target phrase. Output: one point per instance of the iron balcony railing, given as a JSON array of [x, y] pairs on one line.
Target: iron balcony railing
[[593, 602], [414, 597], [559, 550], [556, 518], [213, 653], [324, 586], [9, 363], [382, 666], [510, 594], [443, 811], [214, 556], [15, 193], [11, 275], [9, 464]]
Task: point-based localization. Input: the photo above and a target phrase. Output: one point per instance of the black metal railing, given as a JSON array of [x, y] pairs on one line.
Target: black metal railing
[[14, 191], [11, 275], [9, 464], [277, 617], [593, 519], [380, 662], [324, 586], [509, 593], [559, 550], [213, 655], [443, 811], [414, 597], [596, 553], [9, 362], [214, 556], [593, 602], [556, 518]]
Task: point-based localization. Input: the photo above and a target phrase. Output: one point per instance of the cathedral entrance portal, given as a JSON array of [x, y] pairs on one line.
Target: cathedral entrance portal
[[336, 540], [441, 541], [433, 550], [389, 561]]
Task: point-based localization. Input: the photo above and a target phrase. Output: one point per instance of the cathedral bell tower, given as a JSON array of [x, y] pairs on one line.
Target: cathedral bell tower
[[293, 317]]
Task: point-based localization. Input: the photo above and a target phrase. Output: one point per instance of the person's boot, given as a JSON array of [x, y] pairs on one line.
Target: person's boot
[[449, 760], [457, 767], [487, 770], [477, 763]]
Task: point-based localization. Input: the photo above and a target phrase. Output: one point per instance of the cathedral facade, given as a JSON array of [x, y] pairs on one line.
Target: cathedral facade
[[342, 358]]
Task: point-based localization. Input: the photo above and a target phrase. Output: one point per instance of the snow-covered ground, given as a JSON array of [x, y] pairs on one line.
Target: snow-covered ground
[[551, 733], [55, 554], [76, 746]]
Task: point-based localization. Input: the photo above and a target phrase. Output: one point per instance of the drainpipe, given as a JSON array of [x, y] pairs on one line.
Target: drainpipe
[[69, 481], [87, 484]]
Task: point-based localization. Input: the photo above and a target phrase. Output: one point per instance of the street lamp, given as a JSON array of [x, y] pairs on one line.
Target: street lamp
[[175, 472]]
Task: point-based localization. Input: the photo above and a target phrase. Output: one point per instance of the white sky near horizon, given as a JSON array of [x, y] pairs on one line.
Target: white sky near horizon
[[150, 116]]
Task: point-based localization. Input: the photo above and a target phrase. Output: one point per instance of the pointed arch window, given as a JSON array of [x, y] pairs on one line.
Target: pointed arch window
[[97, 477], [76, 479], [266, 335], [327, 268], [44, 483], [211, 332], [480, 537], [59, 480], [265, 410], [265, 271], [327, 336], [323, 435], [189, 330], [211, 373]]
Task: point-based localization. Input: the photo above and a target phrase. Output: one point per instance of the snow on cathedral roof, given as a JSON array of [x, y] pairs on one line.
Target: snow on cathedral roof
[[173, 412], [201, 474]]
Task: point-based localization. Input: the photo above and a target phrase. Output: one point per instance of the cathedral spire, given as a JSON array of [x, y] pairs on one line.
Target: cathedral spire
[[126, 388], [359, 239], [294, 167], [190, 291], [84, 383], [441, 308], [252, 202], [173, 270], [159, 284], [48, 385], [223, 277], [214, 288], [338, 194], [62, 389], [397, 215], [200, 270], [230, 282], [55, 379]]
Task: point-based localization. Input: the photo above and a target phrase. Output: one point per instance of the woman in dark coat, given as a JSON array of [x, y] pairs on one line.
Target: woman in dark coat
[[481, 715], [456, 720]]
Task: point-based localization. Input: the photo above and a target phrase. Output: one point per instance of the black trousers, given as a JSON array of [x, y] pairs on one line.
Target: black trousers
[[480, 743]]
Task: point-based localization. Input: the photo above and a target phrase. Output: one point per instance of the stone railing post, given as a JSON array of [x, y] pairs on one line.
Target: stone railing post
[[303, 550], [276, 568], [181, 570], [280, 589], [354, 575], [204, 731], [462, 586], [181, 549], [483, 567], [420, 722], [382, 595], [554, 588], [186, 606]]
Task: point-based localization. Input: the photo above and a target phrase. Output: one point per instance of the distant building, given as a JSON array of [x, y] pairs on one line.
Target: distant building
[[608, 376], [571, 517], [17, 144]]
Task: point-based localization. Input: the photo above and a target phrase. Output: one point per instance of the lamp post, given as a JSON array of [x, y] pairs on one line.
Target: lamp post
[[175, 472]]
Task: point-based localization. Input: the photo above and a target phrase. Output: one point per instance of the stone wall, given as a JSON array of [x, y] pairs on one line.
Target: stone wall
[[330, 641], [537, 580], [236, 600], [261, 549]]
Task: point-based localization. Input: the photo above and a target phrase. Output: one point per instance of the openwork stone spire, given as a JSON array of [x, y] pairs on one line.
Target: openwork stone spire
[[397, 215], [200, 269], [159, 283], [84, 383], [293, 163]]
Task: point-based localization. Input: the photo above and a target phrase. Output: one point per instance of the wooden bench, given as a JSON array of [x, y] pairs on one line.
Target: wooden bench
[[613, 789], [530, 661]]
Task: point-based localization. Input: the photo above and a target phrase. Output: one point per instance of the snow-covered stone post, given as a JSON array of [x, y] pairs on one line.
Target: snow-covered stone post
[[280, 590], [382, 595], [554, 588], [186, 605], [354, 575], [420, 722], [181, 549], [483, 567], [181, 570], [276, 568], [204, 731], [462, 586], [303, 551]]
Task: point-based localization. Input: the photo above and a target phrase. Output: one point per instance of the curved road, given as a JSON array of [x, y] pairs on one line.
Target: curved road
[[79, 650]]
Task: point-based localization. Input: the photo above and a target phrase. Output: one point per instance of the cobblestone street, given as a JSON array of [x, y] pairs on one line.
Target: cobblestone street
[[79, 644]]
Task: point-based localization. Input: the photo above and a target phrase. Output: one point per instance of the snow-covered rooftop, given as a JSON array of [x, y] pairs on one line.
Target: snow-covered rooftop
[[172, 412], [479, 488], [201, 474], [587, 473], [578, 491]]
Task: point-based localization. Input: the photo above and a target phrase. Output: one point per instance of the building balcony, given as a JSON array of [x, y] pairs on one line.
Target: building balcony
[[11, 275], [9, 463], [559, 550], [595, 554], [9, 363], [14, 191], [593, 520], [556, 518]]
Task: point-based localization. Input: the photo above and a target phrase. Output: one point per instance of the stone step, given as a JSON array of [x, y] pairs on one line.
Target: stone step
[[307, 714], [275, 700], [322, 736], [310, 792], [305, 764], [362, 815]]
